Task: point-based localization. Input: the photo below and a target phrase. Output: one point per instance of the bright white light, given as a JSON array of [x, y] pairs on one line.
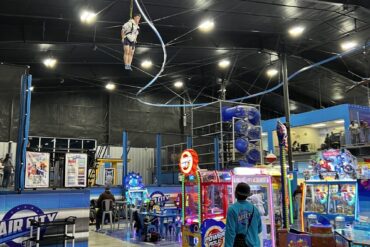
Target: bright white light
[[224, 63], [88, 16], [339, 121], [110, 86], [264, 134], [50, 62], [206, 26], [319, 125], [272, 72], [296, 31], [178, 84], [246, 171], [146, 64], [348, 45], [32, 88]]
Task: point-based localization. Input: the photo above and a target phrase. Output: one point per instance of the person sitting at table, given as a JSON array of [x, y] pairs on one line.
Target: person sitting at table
[[106, 195], [152, 205]]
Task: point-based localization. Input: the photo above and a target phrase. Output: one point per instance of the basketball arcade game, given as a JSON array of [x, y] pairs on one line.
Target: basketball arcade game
[[262, 199], [204, 203]]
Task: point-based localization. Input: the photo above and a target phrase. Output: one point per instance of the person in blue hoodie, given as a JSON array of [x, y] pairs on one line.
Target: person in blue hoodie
[[243, 222]]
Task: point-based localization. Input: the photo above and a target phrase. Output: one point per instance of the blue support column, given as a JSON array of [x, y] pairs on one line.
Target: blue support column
[[124, 156], [216, 147], [23, 129], [189, 142], [158, 160]]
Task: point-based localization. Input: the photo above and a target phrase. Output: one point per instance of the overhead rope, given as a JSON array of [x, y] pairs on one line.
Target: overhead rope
[[131, 8], [162, 44], [312, 66]]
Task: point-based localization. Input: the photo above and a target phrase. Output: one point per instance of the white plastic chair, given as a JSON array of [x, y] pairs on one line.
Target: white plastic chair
[[107, 210]]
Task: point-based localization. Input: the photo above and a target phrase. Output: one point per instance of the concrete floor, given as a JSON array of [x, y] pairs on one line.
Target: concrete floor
[[122, 237], [101, 239]]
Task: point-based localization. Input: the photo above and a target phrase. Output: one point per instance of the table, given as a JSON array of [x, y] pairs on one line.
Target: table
[[120, 206], [351, 237], [161, 217]]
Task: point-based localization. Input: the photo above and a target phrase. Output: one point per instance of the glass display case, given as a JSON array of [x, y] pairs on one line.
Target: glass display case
[[206, 197], [329, 199], [262, 198]]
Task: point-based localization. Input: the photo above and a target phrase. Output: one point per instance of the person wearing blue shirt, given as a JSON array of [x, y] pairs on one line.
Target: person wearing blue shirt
[[243, 222]]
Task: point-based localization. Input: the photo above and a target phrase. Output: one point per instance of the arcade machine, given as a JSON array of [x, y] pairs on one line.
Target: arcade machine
[[330, 190], [204, 203], [136, 193], [275, 174], [262, 198]]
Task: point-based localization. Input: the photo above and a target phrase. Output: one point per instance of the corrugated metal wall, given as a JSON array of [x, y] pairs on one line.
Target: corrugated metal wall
[[141, 161], [4, 150]]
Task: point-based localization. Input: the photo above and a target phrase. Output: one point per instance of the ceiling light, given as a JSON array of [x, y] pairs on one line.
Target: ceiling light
[[348, 45], [272, 72], [224, 63], [296, 31], [206, 26], [178, 84], [339, 121], [88, 16], [50, 62], [319, 125], [146, 64], [110, 86], [32, 88]]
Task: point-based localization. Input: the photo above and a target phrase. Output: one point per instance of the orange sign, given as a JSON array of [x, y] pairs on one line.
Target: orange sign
[[188, 161]]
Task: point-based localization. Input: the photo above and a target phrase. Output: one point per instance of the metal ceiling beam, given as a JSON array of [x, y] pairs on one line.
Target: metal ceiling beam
[[361, 3]]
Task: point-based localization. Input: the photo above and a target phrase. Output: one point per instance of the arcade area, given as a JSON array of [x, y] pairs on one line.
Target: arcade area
[[128, 123]]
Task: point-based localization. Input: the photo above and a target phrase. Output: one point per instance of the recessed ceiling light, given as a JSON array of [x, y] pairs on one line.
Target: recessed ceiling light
[[348, 45], [178, 84], [110, 86], [88, 16], [146, 64], [206, 26], [296, 31], [32, 88], [319, 125], [50, 62], [272, 72], [339, 121], [224, 63]]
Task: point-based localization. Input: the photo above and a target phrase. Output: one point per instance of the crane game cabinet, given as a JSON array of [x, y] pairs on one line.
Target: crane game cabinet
[[261, 197], [205, 199], [330, 189]]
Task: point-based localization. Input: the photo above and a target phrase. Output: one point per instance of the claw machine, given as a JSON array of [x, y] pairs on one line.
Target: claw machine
[[262, 198], [205, 199], [331, 189]]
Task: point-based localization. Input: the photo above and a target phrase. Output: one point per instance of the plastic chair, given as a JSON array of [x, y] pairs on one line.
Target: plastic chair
[[107, 209]]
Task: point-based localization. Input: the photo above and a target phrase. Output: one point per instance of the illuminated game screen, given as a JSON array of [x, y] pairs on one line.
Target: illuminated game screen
[[316, 198], [342, 199]]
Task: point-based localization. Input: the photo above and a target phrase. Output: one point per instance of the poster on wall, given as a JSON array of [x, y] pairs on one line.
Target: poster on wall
[[75, 172], [109, 176], [37, 170]]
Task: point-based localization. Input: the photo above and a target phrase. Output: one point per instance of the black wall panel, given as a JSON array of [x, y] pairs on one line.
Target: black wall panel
[[97, 115]]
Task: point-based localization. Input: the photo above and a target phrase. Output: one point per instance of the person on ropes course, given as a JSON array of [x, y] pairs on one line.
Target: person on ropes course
[[129, 33]]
